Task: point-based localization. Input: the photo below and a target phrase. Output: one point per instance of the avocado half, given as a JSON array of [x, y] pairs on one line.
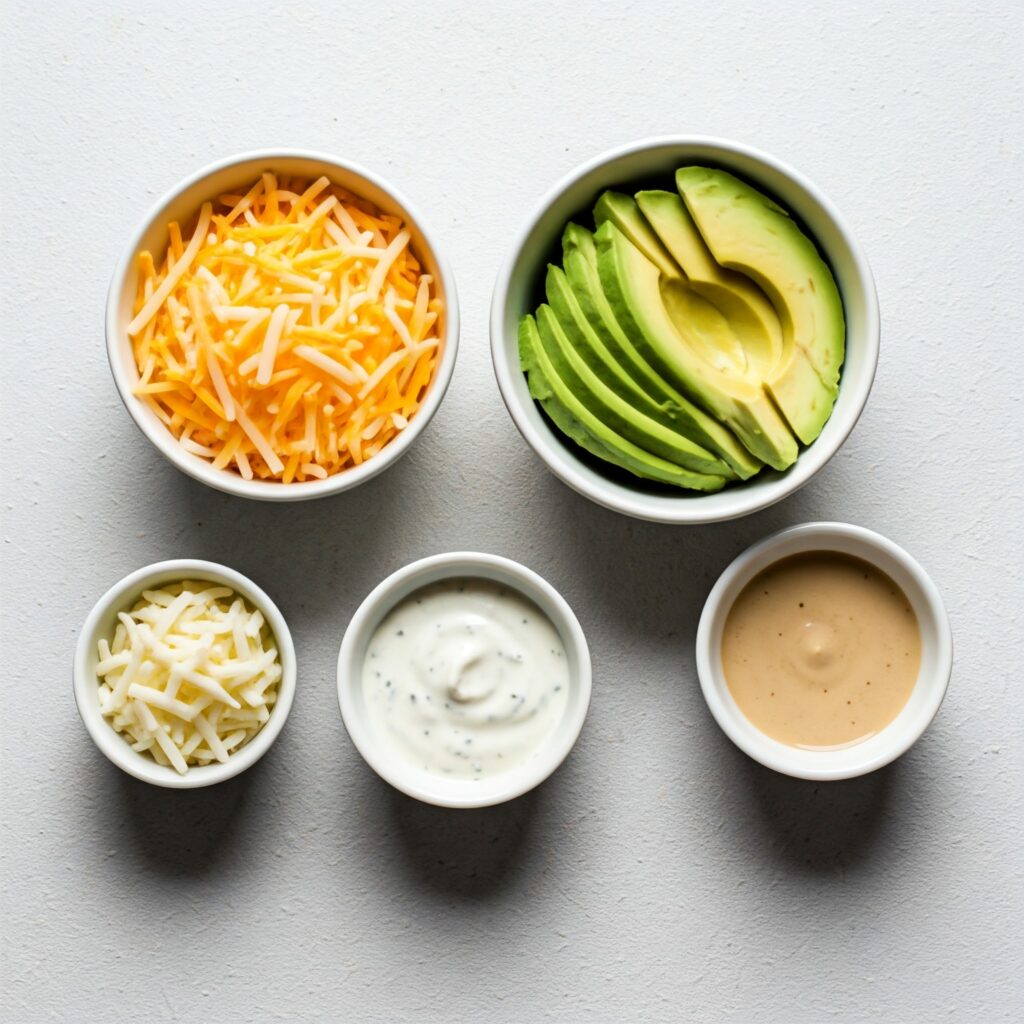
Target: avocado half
[[671, 343], [580, 259], [741, 302], [747, 232]]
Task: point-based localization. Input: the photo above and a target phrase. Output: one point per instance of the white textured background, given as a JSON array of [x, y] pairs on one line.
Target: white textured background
[[660, 875]]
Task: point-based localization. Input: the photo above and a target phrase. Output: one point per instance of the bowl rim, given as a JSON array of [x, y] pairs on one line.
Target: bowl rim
[[226, 480], [84, 681], [384, 597], [895, 738], [670, 508]]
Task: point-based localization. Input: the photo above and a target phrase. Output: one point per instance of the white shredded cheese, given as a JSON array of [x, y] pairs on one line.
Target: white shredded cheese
[[190, 674]]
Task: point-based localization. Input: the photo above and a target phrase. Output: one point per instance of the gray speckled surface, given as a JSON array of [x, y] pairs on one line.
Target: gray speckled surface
[[660, 875]]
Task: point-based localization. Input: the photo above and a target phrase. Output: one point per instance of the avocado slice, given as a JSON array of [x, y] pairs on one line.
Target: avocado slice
[[740, 301], [595, 353], [579, 240], [658, 324], [614, 411], [624, 213], [576, 422], [581, 271], [710, 329], [747, 232]]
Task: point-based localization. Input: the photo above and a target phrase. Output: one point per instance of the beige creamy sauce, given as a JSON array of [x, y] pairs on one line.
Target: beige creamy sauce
[[821, 650]]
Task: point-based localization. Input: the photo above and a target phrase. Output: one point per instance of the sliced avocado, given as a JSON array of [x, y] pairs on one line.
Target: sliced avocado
[[692, 421], [747, 232], [740, 301], [667, 341], [710, 330], [579, 239], [607, 367], [595, 353], [615, 412], [624, 213], [577, 423]]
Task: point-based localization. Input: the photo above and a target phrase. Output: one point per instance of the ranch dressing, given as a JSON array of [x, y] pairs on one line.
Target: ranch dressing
[[465, 678]]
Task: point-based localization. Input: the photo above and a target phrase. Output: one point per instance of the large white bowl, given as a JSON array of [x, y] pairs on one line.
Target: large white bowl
[[101, 622], [181, 204], [409, 777], [646, 164], [932, 679]]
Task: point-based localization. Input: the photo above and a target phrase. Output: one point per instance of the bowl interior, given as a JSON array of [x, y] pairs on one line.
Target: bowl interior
[[651, 166], [413, 780], [932, 679], [102, 622], [183, 205]]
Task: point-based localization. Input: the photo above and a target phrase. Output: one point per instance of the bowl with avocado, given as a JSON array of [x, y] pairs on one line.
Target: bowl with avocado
[[685, 331]]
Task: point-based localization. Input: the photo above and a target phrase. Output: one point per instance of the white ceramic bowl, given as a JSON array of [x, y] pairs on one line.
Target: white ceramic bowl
[[645, 164], [932, 680], [181, 204], [101, 622], [414, 781]]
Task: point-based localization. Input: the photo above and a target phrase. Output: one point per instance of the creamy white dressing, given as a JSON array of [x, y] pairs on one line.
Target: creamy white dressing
[[465, 678]]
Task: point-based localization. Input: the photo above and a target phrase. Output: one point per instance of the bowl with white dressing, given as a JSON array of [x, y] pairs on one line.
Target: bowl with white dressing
[[464, 679]]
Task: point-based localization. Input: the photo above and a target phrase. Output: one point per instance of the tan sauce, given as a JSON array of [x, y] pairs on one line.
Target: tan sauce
[[821, 650]]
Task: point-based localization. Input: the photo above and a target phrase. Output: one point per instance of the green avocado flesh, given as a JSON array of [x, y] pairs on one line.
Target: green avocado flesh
[[599, 360], [689, 419], [747, 232], [740, 301], [576, 239], [680, 342], [623, 211], [575, 421], [632, 284], [618, 414]]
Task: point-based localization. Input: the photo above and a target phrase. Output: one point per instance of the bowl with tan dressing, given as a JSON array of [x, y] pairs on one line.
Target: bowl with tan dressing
[[824, 651]]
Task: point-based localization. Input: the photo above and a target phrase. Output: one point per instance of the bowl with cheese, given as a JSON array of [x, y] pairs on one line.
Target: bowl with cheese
[[184, 673], [282, 325]]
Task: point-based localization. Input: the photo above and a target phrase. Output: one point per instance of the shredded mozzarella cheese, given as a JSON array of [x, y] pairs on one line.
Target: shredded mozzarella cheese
[[190, 674]]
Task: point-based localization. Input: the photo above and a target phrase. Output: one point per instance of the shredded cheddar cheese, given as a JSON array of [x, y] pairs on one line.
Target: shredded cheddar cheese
[[190, 674], [293, 336]]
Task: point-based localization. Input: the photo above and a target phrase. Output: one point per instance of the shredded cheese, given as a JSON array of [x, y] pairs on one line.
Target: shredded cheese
[[293, 336], [190, 674]]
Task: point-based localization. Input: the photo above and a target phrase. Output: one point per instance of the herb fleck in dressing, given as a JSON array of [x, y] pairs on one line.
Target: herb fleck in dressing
[[465, 678]]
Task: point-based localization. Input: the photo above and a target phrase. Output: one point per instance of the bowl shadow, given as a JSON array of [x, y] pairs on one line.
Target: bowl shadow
[[470, 855], [650, 579], [819, 829], [189, 833], [296, 551]]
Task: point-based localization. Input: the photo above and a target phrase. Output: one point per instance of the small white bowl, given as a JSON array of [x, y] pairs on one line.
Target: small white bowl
[[414, 781], [936, 652], [181, 204], [645, 164], [100, 623]]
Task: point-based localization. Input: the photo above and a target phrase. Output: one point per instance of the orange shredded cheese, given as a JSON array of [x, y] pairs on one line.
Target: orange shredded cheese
[[292, 336]]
